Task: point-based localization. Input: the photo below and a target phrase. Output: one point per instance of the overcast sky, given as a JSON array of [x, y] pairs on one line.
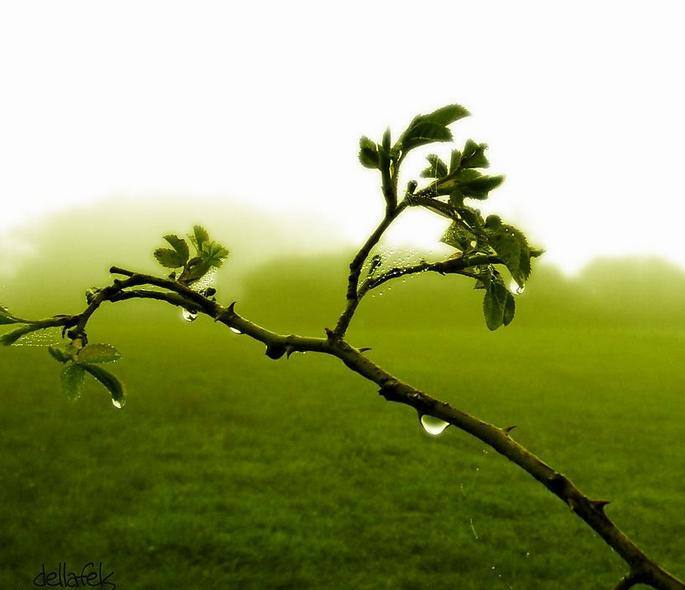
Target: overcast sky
[[581, 103]]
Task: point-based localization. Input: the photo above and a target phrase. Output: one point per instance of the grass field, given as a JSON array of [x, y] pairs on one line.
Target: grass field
[[227, 470]]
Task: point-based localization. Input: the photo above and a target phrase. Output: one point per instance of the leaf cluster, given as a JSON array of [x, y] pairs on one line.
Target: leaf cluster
[[482, 243], [81, 361], [208, 254]]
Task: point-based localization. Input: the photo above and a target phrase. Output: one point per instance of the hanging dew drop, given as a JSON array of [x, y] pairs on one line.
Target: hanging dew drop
[[432, 425], [515, 288], [189, 316]]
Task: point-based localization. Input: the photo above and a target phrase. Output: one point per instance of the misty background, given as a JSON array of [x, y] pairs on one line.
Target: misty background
[[122, 122], [301, 266]]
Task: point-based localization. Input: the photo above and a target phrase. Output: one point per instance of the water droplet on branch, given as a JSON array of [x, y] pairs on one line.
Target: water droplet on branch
[[118, 403], [432, 425], [235, 330], [189, 316]]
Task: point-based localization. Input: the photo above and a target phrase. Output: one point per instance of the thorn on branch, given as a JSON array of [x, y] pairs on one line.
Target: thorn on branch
[[227, 313], [389, 390], [275, 350], [507, 430], [600, 504], [629, 580], [557, 483], [365, 349], [289, 350]]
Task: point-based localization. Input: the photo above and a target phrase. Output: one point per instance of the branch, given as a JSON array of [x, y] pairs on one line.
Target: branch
[[628, 581], [592, 511], [360, 258], [356, 267], [449, 266]]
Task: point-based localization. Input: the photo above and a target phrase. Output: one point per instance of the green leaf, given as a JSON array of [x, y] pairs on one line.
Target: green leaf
[[458, 237], [494, 302], [471, 216], [72, 380], [455, 161], [63, 353], [179, 245], [194, 270], [509, 309], [11, 337], [110, 381], [458, 184], [512, 247], [213, 254], [456, 198], [436, 169], [7, 318], [423, 133], [98, 353], [385, 141], [368, 153], [438, 207], [478, 187], [446, 115], [169, 258], [493, 221], [474, 155], [199, 237]]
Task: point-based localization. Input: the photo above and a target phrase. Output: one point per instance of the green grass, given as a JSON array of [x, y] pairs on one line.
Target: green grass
[[227, 470]]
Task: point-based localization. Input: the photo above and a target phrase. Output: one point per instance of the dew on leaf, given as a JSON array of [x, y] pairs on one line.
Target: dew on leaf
[[40, 338], [515, 288], [206, 281]]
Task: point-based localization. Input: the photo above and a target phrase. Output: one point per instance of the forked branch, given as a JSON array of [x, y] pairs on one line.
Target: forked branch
[[642, 568], [480, 247]]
